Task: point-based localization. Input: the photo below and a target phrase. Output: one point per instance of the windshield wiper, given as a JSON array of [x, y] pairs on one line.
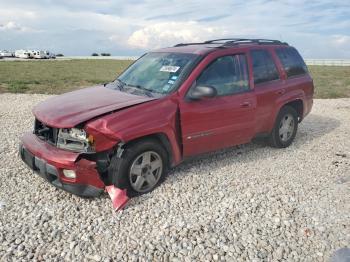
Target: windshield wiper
[[120, 84], [148, 91]]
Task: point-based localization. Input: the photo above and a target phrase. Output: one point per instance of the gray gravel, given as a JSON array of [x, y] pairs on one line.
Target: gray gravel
[[247, 203]]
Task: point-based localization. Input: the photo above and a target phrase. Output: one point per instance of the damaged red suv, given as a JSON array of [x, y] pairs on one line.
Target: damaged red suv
[[169, 105]]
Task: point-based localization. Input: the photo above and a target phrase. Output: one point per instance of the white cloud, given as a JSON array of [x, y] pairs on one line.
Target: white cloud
[[11, 25], [341, 40], [16, 14], [169, 33], [319, 29]]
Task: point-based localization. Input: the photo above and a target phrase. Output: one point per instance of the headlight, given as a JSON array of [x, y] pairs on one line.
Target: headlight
[[75, 139]]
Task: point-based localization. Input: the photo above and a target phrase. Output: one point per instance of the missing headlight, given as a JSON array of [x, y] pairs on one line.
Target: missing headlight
[[74, 139]]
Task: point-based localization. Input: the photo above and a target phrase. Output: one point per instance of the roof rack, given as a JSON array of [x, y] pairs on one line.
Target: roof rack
[[227, 42]]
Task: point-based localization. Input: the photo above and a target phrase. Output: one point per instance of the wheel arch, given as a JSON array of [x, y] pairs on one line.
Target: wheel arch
[[162, 139], [297, 103], [298, 106]]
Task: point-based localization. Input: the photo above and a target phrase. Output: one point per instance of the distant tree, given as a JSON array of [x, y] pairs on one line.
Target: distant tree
[[59, 55], [105, 54], [94, 54]]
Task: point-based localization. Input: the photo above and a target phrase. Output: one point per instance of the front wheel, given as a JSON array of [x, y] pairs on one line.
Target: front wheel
[[285, 128], [141, 168]]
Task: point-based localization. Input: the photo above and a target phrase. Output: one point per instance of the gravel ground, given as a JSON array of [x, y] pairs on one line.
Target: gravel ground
[[247, 203]]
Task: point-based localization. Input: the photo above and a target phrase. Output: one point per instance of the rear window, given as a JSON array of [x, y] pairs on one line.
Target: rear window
[[292, 62], [263, 67]]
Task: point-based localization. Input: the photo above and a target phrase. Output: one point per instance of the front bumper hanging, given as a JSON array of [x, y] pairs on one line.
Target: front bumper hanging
[[49, 162], [52, 174]]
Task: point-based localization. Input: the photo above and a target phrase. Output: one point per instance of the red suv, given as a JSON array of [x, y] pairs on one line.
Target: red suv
[[169, 105]]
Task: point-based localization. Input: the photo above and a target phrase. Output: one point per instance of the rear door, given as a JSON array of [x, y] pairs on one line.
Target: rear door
[[268, 86], [225, 120], [298, 81]]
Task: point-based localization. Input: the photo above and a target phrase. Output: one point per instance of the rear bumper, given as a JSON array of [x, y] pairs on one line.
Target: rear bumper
[[308, 106], [48, 162]]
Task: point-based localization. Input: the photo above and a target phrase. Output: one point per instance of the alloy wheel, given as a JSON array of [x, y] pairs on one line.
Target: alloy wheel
[[286, 127], [145, 171]]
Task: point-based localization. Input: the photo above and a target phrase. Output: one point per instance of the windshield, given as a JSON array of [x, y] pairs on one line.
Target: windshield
[[157, 72]]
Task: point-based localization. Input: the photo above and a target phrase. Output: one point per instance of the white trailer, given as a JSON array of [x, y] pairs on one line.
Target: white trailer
[[22, 53], [40, 54], [5, 53], [31, 53]]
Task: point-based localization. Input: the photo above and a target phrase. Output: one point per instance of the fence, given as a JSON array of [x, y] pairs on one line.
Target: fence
[[328, 62]]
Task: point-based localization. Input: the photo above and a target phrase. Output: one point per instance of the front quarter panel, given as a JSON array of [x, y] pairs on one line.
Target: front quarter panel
[[154, 117], [102, 142]]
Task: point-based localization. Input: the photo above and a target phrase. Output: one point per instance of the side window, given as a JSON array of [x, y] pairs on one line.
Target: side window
[[228, 74], [263, 67], [292, 62]]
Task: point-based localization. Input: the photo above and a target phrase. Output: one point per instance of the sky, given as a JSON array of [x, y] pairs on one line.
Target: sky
[[318, 29]]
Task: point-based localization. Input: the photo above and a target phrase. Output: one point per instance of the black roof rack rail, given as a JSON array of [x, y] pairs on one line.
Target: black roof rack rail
[[226, 42], [213, 41], [184, 44], [254, 41]]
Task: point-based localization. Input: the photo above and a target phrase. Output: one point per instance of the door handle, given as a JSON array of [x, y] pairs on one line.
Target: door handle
[[281, 91], [246, 104]]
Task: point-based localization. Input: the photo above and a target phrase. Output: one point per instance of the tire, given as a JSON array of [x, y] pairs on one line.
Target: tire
[[283, 133], [132, 169]]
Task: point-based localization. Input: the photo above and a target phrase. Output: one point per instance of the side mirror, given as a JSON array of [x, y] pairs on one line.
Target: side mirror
[[199, 92]]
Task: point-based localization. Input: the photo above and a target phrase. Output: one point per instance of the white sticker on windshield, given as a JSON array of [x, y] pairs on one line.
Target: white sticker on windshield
[[166, 87], [170, 69]]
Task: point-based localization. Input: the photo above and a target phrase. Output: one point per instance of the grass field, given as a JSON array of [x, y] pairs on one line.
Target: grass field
[[56, 77], [331, 81]]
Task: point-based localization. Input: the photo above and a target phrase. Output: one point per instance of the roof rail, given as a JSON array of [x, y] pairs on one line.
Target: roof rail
[[254, 41], [227, 42], [224, 39], [184, 44]]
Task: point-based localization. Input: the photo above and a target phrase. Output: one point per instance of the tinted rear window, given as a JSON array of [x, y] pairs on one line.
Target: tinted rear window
[[292, 62], [263, 67]]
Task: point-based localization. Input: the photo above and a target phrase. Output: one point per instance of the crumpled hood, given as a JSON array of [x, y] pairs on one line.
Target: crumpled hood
[[73, 108]]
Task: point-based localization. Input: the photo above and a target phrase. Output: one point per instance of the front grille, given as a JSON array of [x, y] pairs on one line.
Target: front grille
[[45, 132]]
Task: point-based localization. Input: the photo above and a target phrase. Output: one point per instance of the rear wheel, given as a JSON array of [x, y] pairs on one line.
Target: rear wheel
[[141, 168], [285, 128]]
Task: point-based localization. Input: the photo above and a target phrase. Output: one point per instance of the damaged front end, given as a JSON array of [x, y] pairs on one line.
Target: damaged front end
[[103, 160], [75, 139], [68, 157], [82, 174], [63, 169], [118, 196]]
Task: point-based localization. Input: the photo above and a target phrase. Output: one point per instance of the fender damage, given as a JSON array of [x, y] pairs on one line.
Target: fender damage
[[114, 131]]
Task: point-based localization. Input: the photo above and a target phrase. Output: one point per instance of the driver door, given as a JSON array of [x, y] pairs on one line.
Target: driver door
[[228, 118]]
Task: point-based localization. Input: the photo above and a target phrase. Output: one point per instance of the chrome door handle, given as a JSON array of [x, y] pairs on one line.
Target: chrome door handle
[[246, 104]]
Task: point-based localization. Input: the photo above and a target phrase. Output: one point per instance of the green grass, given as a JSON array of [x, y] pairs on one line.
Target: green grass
[[56, 77], [331, 81], [60, 76]]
